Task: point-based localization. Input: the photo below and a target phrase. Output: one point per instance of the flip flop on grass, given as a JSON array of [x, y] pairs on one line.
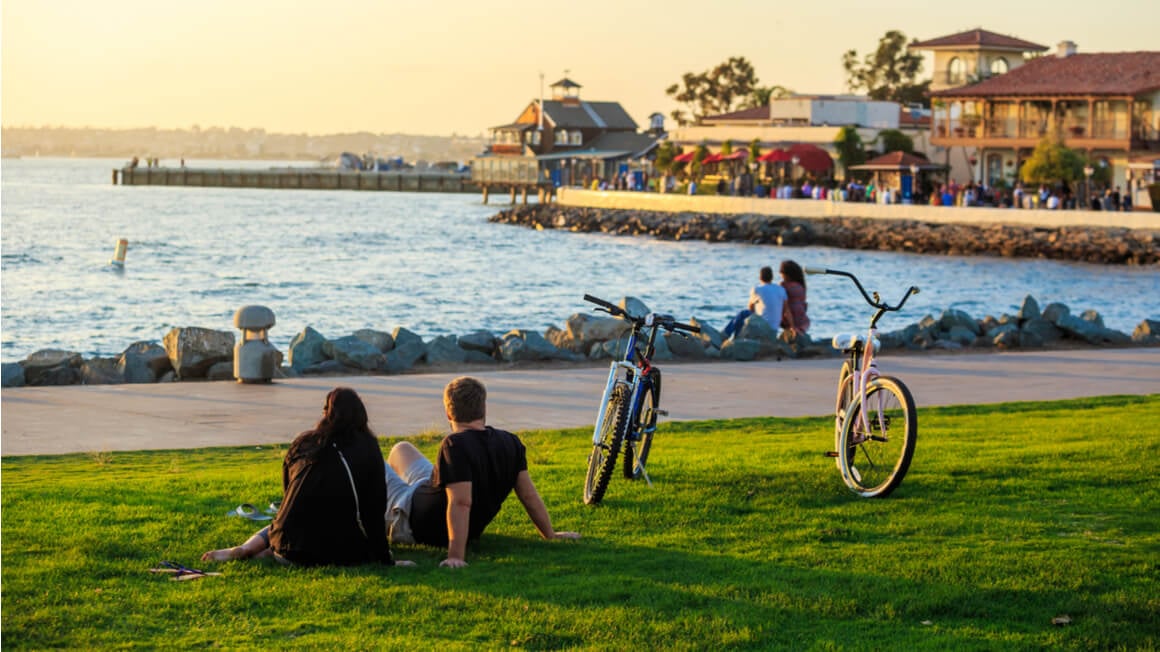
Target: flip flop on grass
[[246, 510], [180, 572]]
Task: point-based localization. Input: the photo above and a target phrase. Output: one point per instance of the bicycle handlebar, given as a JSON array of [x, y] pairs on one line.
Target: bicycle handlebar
[[879, 304], [661, 321]]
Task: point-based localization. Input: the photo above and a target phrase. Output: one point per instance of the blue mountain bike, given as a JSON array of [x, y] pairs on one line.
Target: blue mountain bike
[[630, 405]]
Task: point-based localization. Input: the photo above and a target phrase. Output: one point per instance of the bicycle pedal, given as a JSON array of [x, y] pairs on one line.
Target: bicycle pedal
[[831, 453], [661, 413]]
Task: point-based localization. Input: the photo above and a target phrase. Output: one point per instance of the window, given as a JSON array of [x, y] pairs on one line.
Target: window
[[536, 137], [956, 71], [575, 138], [562, 137], [999, 66]]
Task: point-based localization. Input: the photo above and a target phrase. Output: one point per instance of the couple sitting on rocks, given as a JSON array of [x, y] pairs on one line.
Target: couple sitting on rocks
[[783, 306], [342, 505]]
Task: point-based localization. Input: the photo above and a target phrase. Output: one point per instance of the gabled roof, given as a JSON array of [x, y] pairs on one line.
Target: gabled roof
[[978, 39], [610, 146], [515, 126], [755, 113], [588, 115], [897, 161], [1104, 73], [566, 83]]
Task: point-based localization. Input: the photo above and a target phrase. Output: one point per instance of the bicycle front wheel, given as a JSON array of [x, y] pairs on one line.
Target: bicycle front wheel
[[874, 454], [842, 404], [640, 442], [602, 459]]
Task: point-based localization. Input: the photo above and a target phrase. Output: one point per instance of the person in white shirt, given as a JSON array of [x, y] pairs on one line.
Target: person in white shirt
[[766, 299]]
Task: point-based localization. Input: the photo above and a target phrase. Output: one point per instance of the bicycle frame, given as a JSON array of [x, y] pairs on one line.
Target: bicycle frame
[[635, 373]]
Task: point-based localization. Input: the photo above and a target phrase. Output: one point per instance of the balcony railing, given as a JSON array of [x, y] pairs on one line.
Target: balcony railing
[[1111, 129]]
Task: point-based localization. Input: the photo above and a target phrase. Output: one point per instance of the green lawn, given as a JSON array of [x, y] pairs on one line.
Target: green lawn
[[1011, 516]]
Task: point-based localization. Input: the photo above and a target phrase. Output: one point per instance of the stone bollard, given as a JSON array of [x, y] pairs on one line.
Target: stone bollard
[[255, 359]]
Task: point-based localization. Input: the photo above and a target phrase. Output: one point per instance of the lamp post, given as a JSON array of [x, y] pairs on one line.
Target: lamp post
[[913, 182], [1088, 171]]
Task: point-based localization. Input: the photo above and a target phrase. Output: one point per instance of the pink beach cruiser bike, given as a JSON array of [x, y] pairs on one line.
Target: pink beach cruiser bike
[[875, 425]]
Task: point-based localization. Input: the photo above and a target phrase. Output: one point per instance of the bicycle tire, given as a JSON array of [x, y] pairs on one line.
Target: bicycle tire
[[842, 405], [602, 459], [645, 427], [874, 463]]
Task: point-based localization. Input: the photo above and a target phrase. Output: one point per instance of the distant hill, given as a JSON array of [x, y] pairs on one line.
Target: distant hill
[[230, 143]]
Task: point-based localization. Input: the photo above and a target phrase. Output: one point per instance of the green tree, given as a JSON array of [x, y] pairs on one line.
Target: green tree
[[1052, 162], [754, 151], [727, 147], [888, 73], [849, 146], [699, 155], [718, 90], [763, 94], [666, 152], [894, 140]]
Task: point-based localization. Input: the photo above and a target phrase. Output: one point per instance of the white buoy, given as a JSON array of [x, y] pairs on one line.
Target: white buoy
[[119, 253]]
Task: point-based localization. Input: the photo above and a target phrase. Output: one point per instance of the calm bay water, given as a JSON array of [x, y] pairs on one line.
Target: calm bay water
[[342, 260]]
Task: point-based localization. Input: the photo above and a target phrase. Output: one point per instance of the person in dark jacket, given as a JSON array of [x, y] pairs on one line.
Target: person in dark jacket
[[334, 495]]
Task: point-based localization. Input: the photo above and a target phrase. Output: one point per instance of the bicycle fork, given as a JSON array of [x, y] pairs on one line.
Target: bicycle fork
[[603, 407]]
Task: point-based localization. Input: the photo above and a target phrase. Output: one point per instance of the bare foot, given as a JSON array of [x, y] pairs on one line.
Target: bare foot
[[226, 554]]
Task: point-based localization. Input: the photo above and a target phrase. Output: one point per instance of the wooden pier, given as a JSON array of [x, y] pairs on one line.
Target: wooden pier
[[297, 178]]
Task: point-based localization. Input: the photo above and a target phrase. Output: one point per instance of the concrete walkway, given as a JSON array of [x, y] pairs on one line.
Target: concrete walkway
[[53, 420]]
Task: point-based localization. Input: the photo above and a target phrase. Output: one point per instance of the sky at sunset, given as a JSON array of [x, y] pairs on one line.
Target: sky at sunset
[[460, 66]]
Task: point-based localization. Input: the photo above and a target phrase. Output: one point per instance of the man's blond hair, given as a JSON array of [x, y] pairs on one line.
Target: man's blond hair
[[465, 400]]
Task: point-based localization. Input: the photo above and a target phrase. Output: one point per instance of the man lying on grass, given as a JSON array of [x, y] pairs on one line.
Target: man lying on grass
[[453, 501]]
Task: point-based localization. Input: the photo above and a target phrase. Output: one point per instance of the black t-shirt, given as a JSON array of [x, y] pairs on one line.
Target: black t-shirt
[[490, 460]]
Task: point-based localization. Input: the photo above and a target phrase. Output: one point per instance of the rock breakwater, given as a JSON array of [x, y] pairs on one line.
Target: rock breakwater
[[1104, 245], [195, 353]]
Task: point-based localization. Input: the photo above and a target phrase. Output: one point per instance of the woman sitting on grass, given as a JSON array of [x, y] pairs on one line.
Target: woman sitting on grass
[[334, 495]]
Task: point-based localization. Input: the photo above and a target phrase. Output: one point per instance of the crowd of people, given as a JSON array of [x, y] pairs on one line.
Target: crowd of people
[[343, 505]]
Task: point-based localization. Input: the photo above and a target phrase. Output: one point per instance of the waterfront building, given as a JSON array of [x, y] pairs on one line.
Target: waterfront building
[[565, 140], [974, 55], [806, 119], [1105, 104]]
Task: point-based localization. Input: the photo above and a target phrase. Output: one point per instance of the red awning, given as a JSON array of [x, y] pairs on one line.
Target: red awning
[[684, 158], [737, 155], [712, 158], [812, 157], [776, 156]]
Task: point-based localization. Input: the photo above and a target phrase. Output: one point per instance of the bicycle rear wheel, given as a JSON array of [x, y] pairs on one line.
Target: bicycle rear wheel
[[873, 461], [602, 459], [646, 425]]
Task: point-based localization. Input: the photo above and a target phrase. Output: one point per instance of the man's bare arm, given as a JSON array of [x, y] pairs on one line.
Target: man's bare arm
[[537, 511], [458, 522]]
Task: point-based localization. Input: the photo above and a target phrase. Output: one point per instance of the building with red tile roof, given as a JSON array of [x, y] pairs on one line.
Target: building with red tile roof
[[1105, 104], [973, 55]]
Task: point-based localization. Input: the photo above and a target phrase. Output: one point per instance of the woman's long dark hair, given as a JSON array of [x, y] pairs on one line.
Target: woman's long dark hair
[[793, 272], [344, 418]]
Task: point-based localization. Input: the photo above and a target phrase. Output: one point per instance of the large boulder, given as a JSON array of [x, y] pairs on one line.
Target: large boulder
[[755, 328], [378, 339], [954, 318], [523, 345], [143, 362], [685, 346], [354, 352], [740, 349], [193, 350], [1080, 329], [405, 354], [479, 341], [1146, 332], [53, 367], [12, 373], [404, 337], [634, 307], [709, 335], [220, 371], [1029, 309], [101, 371], [582, 330], [306, 349], [1043, 330], [445, 350]]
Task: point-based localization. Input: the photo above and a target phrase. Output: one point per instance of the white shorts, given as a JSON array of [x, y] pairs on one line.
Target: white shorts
[[400, 491]]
